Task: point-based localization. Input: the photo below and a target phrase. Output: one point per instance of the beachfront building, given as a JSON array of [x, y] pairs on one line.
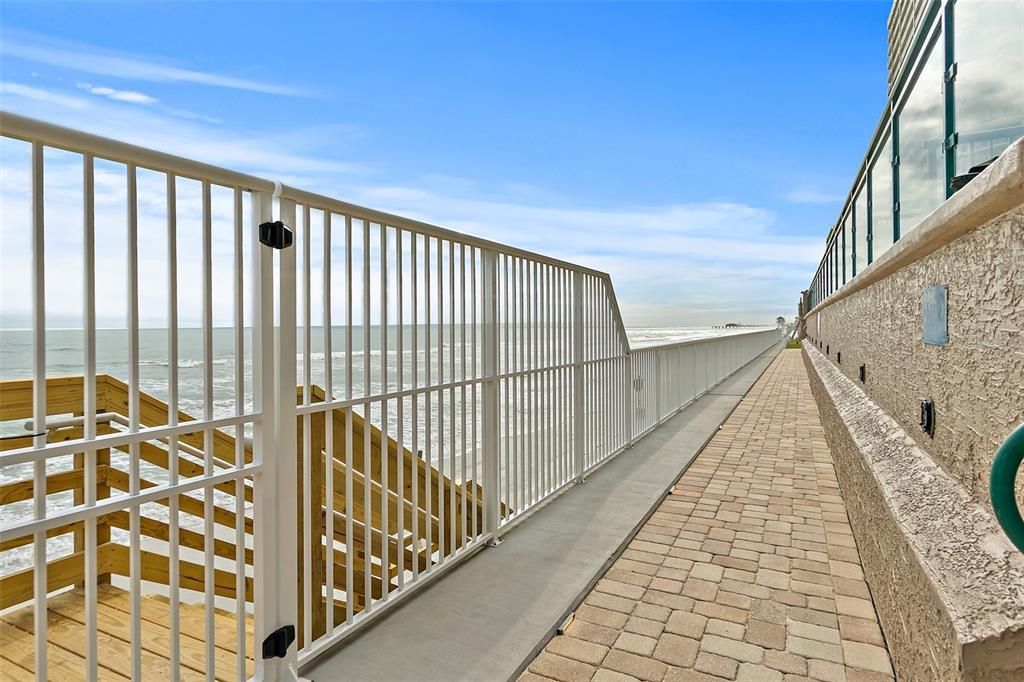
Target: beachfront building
[[914, 347], [327, 442]]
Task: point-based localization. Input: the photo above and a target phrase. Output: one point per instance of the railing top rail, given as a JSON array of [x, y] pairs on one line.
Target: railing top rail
[[69, 139], [321, 201], [33, 130], [703, 339]]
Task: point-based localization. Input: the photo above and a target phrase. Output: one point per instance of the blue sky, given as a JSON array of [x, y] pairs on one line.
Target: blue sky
[[697, 152]]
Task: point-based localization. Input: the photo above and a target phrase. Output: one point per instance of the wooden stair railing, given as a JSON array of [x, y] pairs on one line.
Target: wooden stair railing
[[65, 397]]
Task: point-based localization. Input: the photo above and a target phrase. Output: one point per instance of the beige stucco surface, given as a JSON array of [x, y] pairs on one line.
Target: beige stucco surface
[[977, 380], [947, 585]]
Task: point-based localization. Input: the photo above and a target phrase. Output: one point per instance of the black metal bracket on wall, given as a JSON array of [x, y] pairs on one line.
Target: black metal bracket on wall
[[928, 417]]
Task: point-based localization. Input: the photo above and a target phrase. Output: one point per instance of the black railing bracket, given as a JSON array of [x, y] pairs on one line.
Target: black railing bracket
[[276, 645], [276, 235]]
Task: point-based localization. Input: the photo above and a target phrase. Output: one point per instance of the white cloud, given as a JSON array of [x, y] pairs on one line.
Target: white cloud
[[130, 96], [811, 195], [272, 155], [94, 60], [40, 95]]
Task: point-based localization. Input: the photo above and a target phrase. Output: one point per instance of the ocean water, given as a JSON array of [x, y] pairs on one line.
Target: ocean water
[[65, 356]]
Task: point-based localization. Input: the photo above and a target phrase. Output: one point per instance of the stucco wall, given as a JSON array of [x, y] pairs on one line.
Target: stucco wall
[[948, 586], [977, 380]]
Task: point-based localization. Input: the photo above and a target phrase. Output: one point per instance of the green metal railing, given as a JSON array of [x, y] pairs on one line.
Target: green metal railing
[[1001, 486], [957, 101]]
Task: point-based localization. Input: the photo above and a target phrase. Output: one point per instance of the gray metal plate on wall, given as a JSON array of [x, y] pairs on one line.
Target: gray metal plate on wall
[[933, 316]]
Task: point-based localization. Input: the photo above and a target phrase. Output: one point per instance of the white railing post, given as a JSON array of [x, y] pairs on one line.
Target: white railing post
[[490, 399], [577, 375], [657, 387], [274, 512], [628, 371]]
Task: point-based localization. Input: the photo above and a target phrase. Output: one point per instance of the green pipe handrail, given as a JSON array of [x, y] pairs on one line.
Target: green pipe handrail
[[1001, 486]]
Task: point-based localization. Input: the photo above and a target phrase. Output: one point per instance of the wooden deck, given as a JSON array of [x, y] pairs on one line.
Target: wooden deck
[[67, 639]]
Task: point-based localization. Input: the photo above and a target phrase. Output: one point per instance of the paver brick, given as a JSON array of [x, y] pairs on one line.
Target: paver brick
[[644, 626], [812, 631], [652, 612], [577, 649], [590, 632], [724, 628], [636, 643], [709, 572], [619, 589], [719, 666], [860, 630], [676, 650], [767, 635], [867, 656], [561, 668], [738, 651], [785, 662], [852, 606], [640, 667], [826, 671], [810, 648], [686, 624], [599, 616]]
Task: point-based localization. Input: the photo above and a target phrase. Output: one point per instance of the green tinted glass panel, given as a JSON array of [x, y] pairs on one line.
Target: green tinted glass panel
[[881, 200], [989, 88], [847, 248], [837, 279], [921, 124], [860, 216]]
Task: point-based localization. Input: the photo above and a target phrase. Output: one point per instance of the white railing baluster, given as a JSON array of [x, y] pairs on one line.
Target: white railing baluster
[[400, 386], [367, 453], [134, 485], [415, 403], [489, 407], [307, 482], [172, 420], [89, 408], [39, 409], [428, 406], [474, 252], [463, 484], [208, 468], [350, 594], [239, 353], [577, 375], [452, 434], [328, 424]]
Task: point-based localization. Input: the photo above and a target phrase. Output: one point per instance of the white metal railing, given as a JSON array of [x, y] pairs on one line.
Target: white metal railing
[[436, 388]]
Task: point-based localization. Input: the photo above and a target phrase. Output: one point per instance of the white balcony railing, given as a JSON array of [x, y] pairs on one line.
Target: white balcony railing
[[369, 407]]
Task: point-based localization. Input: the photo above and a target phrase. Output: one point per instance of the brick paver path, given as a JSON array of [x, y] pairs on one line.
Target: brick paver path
[[748, 571]]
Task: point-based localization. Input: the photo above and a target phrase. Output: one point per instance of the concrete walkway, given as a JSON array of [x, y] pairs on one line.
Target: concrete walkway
[[748, 571], [491, 615]]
